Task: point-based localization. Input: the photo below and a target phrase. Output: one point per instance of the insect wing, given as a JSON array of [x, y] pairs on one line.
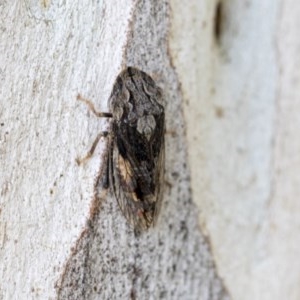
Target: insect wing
[[137, 149]]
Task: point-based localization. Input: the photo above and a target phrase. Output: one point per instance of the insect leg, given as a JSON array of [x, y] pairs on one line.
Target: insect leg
[[91, 151], [105, 178], [92, 108], [101, 134]]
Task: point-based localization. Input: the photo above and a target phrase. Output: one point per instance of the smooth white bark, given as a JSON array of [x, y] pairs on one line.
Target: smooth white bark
[[61, 237], [48, 55], [242, 114]]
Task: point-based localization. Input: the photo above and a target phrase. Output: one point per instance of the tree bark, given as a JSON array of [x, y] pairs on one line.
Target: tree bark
[[62, 236], [242, 114], [229, 74]]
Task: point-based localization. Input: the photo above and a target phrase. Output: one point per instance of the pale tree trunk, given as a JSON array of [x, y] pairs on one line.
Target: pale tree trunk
[[242, 113], [229, 74], [59, 238]]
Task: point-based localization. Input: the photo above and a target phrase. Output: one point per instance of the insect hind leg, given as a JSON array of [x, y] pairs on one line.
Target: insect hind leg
[[105, 178], [92, 150]]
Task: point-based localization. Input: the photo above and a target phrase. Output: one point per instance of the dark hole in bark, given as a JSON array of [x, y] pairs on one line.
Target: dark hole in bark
[[218, 21]]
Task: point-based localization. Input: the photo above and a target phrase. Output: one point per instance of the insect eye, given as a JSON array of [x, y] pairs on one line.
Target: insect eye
[[151, 89]]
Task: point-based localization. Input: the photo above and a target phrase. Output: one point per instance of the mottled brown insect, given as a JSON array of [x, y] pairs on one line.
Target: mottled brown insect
[[135, 160]]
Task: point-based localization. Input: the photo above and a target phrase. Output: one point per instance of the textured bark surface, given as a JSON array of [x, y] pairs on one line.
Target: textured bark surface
[[61, 235], [171, 261], [230, 75], [242, 112]]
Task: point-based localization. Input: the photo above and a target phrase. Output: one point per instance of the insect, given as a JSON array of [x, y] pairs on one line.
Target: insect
[[135, 159]]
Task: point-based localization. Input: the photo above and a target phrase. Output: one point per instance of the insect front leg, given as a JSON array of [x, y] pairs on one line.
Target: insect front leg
[[92, 108]]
